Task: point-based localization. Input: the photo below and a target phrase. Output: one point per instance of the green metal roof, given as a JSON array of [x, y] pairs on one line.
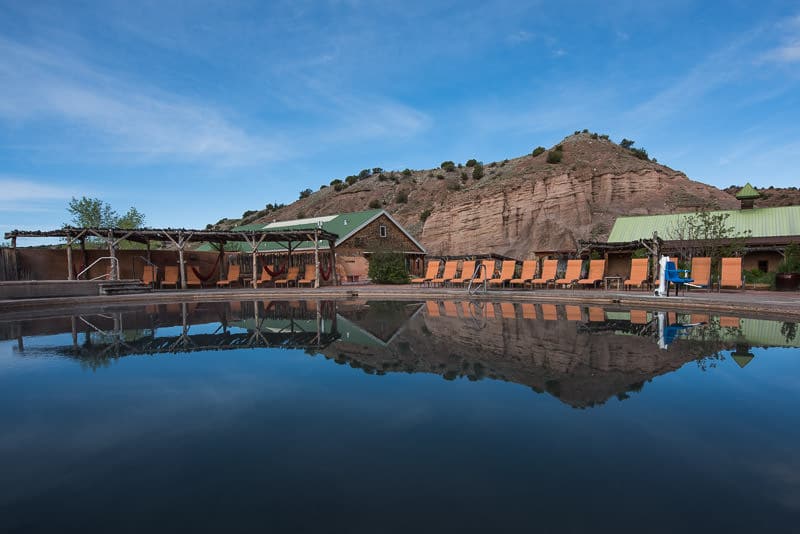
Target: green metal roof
[[341, 224], [762, 222], [747, 192]]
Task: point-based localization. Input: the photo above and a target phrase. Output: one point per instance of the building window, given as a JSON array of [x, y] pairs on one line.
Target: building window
[[763, 266], [382, 230]]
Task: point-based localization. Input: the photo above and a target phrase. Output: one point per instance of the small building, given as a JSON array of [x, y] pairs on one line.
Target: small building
[[361, 234], [761, 233]]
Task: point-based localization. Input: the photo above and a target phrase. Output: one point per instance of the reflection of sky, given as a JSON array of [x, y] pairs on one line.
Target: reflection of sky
[[278, 439]]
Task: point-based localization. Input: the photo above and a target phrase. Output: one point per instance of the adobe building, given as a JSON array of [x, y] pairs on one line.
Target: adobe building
[[361, 234]]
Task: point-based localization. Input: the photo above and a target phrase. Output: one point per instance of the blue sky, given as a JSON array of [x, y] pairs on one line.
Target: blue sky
[[195, 111]]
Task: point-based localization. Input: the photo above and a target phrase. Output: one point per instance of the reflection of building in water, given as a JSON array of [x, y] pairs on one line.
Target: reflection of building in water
[[581, 355]]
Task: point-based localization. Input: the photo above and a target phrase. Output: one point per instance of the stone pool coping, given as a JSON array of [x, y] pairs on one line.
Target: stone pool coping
[[741, 303]]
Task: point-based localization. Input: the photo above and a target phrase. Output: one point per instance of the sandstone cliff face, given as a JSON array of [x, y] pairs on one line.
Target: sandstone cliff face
[[523, 205]]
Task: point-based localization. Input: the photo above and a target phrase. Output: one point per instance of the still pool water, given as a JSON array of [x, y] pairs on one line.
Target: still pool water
[[398, 417]]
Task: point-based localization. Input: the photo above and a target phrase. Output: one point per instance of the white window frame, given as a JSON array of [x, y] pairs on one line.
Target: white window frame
[[382, 231]]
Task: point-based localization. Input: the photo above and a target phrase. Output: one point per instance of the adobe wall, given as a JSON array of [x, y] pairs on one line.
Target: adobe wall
[[51, 264]]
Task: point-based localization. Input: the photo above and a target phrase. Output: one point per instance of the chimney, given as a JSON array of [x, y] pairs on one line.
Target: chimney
[[747, 196]]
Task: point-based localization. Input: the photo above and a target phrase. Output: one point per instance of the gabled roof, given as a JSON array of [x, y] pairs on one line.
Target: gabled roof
[[748, 193], [761, 222], [345, 225]]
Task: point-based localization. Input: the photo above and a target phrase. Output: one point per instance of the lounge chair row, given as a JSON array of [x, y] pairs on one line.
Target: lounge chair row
[[234, 277], [700, 274], [484, 271]]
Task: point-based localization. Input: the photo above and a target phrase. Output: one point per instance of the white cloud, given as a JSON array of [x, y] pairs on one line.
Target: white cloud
[[133, 119], [519, 37], [787, 53]]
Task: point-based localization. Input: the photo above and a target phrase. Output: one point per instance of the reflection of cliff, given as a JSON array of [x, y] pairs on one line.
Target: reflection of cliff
[[561, 357]]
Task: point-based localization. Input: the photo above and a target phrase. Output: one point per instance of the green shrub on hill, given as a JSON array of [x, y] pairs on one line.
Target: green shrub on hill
[[538, 151], [448, 166]]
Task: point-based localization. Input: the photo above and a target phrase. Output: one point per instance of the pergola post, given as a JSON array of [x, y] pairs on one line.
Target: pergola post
[[182, 267], [111, 253], [70, 274], [316, 258], [13, 241], [332, 246]]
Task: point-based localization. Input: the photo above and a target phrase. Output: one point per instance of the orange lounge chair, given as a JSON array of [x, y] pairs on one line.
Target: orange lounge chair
[[638, 276], [486, 273], [192, 280], [266, 278], [701, 273], [232, 278], [149, 275], [572, 275], [170, 276], [291, 276], [433, 308], [449, 273], [467, 269], [506, 273], [573, 313], [548, 275], [731, 275], [309, 277], [526, 276], [430, 273], [597, 270]]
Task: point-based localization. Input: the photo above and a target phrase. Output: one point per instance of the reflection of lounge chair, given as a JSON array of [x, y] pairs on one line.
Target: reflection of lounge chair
[[672, 275], [597, 270], [170, 276], [467, 268], [549, 312], [506, 273], [430, 273], [573, 313], [448, 274], [548, 275], [528, 311], [527, 275], [450, 308], [701, 273], [488, 310], [731, 275], [291, 276], [639, 317], [507, 310], [433, 308], [232, 278], [309, 277], [730, 322], [638, 276], [697, 318], [572, 274], [597, 315]]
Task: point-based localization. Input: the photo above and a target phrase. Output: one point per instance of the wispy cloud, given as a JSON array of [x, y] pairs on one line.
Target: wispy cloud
[[519, 37], [131, 118], [22, 195], [787, 53]]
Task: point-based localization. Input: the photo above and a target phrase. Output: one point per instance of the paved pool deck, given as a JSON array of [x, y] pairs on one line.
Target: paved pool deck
[[743, 303]]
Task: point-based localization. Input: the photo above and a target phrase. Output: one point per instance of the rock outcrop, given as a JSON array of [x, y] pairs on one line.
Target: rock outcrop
[[519, 206]]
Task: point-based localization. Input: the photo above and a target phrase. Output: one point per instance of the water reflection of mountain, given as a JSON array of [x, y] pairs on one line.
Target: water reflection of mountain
[[583, 356]]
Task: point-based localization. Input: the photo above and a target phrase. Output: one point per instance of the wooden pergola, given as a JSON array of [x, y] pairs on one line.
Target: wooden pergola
[[180, 238]]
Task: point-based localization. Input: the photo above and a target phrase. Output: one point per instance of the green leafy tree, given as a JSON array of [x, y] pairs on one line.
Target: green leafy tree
[[471, 162], [388, 268], [94, 213]]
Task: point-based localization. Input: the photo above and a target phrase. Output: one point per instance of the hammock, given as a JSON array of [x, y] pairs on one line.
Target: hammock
[[276, 272], [208, 277], [326, 273]]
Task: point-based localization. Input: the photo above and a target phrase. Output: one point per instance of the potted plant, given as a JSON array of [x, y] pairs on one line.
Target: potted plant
[[788, 276]]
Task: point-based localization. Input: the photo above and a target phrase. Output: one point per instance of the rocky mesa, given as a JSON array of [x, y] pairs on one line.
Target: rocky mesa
[[544, 201]]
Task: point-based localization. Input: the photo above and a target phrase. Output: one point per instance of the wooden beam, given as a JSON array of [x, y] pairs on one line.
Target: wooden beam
[[332, 247], [70, 274], [316, 260]]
